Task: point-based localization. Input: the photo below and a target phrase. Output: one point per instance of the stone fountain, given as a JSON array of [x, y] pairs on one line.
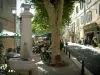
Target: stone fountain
[[25, 63]]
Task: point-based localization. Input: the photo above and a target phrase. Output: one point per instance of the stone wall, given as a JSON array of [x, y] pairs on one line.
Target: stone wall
[[7, 21]]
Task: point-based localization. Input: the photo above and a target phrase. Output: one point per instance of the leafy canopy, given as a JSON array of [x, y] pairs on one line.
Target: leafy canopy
[[41, 19]]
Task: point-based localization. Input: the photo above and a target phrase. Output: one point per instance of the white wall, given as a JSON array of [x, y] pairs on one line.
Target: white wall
[[92, 6]]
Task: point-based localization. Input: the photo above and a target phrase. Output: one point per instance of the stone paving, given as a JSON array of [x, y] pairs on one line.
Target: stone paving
[[89, 54], [71, 69]]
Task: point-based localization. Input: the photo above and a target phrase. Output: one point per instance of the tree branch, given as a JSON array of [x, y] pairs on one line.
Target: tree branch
[[49, 7], [47, 3]]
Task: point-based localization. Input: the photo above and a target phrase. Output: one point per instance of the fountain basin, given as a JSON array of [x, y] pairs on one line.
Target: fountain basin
[[19, 65]]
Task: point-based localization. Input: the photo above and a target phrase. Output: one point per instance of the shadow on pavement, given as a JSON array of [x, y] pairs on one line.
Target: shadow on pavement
[[91, 58]]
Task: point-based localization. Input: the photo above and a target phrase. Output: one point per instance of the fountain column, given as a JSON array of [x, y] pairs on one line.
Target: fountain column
[[26, 33], [25, 65]]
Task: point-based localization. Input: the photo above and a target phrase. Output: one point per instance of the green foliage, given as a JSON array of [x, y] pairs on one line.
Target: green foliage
[[40, 29], [40, 22], [67, 11], [41, 18]]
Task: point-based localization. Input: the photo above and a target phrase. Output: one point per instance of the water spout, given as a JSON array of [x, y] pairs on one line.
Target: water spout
[[25, 55]]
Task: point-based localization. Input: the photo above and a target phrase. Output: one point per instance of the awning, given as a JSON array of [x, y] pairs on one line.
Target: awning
[[36, 36], [98, 22], [90, 26], [5, 33], [47, 35]]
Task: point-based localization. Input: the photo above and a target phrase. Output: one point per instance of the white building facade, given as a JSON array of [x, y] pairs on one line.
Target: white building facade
[[85, 20]]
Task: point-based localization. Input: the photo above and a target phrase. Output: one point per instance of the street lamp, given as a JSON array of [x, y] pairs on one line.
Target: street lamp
[[14, 15]]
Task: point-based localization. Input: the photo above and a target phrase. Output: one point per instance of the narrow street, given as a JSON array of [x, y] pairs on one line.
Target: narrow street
[[90, 55]]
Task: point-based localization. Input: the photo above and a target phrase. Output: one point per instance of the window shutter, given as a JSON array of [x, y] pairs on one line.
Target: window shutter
[[99, 9], [1, 26], [1, 4]]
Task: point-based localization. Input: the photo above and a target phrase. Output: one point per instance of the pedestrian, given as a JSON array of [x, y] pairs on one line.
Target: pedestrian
[[88, 40], [61, 45], [18, 49], [43, 50], [66, 48], [65, 43]]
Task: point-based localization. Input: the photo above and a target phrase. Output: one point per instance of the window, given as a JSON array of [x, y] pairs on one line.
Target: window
[[96, 11], [1, 4], [77, 24], [73, 26], [81, 5], [87, 1], [82, 19], [89, 16], [99, 9], [77, 9]]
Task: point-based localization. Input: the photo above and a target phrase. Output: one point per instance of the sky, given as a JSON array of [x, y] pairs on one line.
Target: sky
[[18, 10]]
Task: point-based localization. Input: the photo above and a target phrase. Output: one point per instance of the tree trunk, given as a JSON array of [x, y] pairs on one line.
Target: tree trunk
[[55, 17]]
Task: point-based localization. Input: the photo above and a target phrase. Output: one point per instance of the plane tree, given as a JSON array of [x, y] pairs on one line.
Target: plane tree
[[52, 15]]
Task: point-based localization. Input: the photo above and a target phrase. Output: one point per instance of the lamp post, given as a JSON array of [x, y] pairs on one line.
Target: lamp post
[[20, 27], [14, 15]]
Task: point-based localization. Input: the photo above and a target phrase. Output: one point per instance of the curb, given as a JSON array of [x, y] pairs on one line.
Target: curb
[[87, 72]]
